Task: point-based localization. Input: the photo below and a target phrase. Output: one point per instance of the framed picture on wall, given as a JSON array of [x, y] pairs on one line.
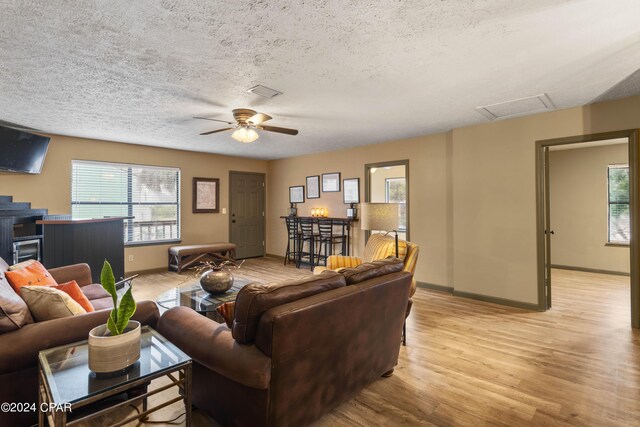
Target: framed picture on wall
[[313, 187], [206, 195], [351, 190], [296, 194], [331, 182]]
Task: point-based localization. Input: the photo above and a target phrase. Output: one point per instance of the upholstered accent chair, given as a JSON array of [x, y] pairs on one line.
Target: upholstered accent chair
[[380, 246]]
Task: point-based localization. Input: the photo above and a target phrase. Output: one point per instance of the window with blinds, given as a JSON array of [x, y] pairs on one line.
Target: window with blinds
[[619, 229], [148, 195]]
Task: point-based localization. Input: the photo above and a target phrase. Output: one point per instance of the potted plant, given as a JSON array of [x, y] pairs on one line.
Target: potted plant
[[115, 346]]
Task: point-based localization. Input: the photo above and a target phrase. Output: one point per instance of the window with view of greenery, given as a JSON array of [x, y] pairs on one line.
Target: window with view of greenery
[[396, 192], [619, 230], [148, 195]]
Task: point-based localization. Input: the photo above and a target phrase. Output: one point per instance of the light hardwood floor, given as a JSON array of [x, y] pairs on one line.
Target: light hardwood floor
[[469, 363]]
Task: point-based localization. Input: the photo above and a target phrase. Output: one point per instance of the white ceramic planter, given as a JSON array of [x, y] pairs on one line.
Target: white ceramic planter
[[109, 353]]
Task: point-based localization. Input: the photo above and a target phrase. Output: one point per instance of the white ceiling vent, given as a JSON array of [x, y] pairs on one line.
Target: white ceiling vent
[[264, 91], [517, 107]]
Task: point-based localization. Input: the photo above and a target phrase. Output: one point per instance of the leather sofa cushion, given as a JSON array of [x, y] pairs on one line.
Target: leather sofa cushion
[[372, 269], [97, 296], [95, 291], [14, 312], [254, 299]]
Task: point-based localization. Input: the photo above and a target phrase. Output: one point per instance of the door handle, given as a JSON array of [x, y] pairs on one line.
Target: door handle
[[233, 221]]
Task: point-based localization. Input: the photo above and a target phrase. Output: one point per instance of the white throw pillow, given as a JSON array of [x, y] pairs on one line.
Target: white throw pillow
[[46, 303]]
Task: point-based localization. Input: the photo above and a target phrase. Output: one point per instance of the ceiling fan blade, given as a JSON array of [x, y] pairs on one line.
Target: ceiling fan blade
[[279, 130], [258, 118], [215, 120], [215, 131]]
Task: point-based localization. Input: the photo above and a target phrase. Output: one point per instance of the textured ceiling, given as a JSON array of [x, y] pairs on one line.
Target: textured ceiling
[[352, 72]]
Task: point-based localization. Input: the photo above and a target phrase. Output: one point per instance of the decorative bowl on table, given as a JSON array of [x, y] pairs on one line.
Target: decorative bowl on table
[[216, 281], [216, 278]]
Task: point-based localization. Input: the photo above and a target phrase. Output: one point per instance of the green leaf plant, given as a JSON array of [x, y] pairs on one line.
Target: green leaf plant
[[122, 312]]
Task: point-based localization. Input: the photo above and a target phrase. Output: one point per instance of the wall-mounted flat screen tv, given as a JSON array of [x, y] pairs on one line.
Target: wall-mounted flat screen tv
[[22, 151]]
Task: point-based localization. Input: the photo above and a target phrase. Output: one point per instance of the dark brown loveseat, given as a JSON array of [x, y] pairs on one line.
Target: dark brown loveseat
[[296, 349], [19, 349]]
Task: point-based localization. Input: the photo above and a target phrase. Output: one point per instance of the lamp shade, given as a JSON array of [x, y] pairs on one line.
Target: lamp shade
[[380, 216]]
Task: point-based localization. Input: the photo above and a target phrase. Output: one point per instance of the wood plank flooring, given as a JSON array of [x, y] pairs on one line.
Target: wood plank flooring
[[469, 363]]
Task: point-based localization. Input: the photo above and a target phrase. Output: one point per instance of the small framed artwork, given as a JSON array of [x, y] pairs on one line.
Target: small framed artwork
[[206, 195], [296, 194], [313, 187], [331, 182], [351, 190]]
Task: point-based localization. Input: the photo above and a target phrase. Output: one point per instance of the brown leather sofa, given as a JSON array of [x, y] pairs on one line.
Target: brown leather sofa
[[296, 349], [19, 349]]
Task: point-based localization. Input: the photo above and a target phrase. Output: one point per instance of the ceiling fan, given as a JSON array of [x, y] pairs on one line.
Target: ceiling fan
[[246, 126]]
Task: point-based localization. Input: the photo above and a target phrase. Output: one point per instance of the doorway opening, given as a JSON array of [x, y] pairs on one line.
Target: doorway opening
[[388, 182], [587, 208]]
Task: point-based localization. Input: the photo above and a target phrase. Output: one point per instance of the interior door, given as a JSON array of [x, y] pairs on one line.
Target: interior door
[[547, 231], [247, 216]]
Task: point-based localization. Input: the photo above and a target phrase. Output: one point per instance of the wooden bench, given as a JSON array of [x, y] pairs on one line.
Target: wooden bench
[[181, 257]]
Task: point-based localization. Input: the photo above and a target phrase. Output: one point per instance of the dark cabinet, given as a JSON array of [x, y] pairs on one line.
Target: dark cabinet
[[85, 241]]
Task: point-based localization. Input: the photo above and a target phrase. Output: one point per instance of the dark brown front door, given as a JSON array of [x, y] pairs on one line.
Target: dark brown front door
[[247, 202]]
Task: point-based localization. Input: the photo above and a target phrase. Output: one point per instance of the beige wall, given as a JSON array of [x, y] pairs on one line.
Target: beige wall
[[472, 195], [494, 210], [428, 194], [52, 188], [579, 208]]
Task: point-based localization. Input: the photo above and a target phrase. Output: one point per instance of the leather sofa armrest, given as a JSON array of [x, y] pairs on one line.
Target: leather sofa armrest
[[19, 349], [339, 261], [211, 344], [81, 273]]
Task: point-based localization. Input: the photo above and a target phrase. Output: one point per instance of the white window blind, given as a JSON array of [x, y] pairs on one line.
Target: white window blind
[[619, 223], [149, 194]]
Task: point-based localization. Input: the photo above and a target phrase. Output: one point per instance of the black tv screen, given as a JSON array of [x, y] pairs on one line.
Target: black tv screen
[[22, 151]]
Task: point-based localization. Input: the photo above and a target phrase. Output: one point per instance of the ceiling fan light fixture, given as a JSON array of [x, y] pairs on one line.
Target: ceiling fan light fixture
[[245, 134]]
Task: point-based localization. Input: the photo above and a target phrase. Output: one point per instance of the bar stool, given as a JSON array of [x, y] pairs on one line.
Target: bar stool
[[293, 235], [308, 235], [328, 238]]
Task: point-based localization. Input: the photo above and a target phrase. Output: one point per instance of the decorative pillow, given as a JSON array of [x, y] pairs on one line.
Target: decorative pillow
[[21, 265], [254, 299], [32, 275], [47, 302], [14, 312], [227, 310], [75, 292]]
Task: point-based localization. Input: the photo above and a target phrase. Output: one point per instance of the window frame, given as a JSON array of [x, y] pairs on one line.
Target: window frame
[[129, 223], [609, 203]]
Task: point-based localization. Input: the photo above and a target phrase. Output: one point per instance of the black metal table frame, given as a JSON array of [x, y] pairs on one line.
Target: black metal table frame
[[59, 418]]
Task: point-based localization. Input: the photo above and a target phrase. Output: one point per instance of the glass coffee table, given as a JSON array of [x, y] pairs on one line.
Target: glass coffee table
[[191, 295], [70, 393]]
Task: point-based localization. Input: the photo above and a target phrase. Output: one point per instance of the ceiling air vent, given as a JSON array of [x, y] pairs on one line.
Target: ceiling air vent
[[517, 107], [264, 91]]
